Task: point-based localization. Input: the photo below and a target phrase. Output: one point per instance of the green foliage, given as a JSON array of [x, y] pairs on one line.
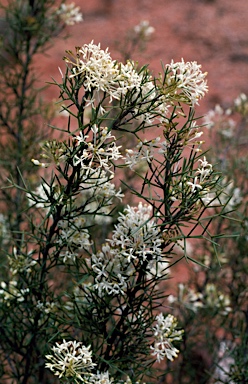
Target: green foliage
[[85, 276], [213, 304]]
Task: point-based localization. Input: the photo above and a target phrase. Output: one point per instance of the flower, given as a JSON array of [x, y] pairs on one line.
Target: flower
[[219, 118], [39, 197], [100, 378], [19, 263], [98, 152], [68, 255], [73, 233], [210, 297], [241, 104], [144, 151], [129, 381], [69, 14], [135, 240], [194, 186], [46, 307], [74, 236], [54, 152], [216, 299], [187, 80], [97, 194], [224, 363], [144, 29], [10, 292], [187, 297], [38, 163], [191, 140], [137, 236], [70, 359], [242, 98], [235, 200], [110, 274], [96, 184], [229, 197], [98, 72], [45, 196], [165, 333], [205, 170]]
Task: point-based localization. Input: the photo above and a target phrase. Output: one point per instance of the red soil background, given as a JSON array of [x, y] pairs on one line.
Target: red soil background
[[212, 32]]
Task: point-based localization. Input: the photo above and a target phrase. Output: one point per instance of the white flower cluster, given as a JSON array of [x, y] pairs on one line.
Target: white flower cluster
[[97, 72], [111, 275], [101, 151], [217, 300], [193, 142], [229, 196], [220, 119], [39, 197], [53, 152], [136, 235], [44, 196], [45, 307], [241, 99], [241, 104], [224, 362], [100, 378], [187, 80], [69, 14], [232, 196], [198, 184], [210, 297], [144, 29], [187, 297], [145, 151], [98, 192], [74, 236], [19, 263], [135, 240], [97, 184], [79, 297], [10, 292], [165, 333], [70, 359], [100, 73], [150, 104], [202, 173]]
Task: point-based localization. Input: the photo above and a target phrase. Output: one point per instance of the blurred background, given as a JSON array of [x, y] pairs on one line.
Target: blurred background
[[212, 32]]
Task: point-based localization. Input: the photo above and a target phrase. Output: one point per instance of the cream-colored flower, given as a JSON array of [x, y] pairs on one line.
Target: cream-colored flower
[[99, 72], [70, 359], [69, 14], [100, 152], [165, 333], [187, 80], [144, 29]]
